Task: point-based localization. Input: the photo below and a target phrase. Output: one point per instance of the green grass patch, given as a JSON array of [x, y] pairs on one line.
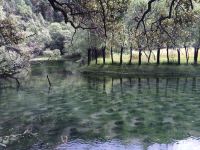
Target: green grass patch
[[173, 57], [151, 70], [146, 69]]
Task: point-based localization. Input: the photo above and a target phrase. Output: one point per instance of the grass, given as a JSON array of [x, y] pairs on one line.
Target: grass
[[143, 70], [146, 69], [163, 58]]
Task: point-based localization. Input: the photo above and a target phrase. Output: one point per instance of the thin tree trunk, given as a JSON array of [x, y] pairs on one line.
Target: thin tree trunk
[[111, 53], [96, 57], [104, 54], [158, 56], [195, 56], [179, 56], [196, 50], [186, 55], [131, 54], [149, 57], [167, 54], [121, 55], [61, 52], [89, 56], [140, 57]]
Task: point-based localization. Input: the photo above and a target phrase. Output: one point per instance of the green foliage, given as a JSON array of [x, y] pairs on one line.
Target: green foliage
[[79, 44], [9, 32], [2, 13], [60, 34], [13, 61], [118, 18], [22, 8]]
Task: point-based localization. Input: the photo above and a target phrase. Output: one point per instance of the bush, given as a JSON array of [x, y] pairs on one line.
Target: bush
[[12, 61], [2, 13], [60, 34], [23, 9]]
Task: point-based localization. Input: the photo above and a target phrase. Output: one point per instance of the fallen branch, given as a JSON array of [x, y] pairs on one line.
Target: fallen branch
[[49, 81]]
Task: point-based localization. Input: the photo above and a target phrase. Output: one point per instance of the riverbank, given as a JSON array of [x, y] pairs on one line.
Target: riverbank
[[46, 59], [125, 70], [60, 58], [151, 70]]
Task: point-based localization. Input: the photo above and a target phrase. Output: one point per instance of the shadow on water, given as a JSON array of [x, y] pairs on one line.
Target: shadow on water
[[100, 112]]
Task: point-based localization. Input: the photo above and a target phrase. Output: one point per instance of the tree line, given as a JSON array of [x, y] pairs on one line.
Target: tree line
[[97, 28], [144, 26]]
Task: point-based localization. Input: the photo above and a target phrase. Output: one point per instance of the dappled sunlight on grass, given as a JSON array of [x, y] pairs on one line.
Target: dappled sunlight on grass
[[173, 57]]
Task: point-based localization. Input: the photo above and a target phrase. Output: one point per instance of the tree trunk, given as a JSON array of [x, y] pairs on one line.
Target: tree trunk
[[179, 56], [121, 55], [96, 57], [196, 51], [140, 57], [158, 56], [111, 53], [167, 54], [104, 54], [61, 52], [149, 57], [131, 55], [186, 55], [89, 56]]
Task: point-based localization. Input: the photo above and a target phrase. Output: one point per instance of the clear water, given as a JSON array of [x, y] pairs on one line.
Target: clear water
[[100, 113]]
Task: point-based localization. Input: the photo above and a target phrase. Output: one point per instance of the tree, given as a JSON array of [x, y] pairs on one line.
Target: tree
[[12, 59], [100, 17], [149, 25], [23, 9]]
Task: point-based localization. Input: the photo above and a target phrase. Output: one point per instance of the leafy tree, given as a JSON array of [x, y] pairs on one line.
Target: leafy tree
[[12, 59], [22, 8]]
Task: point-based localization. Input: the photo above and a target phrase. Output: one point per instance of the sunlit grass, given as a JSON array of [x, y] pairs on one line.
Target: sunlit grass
[[146, 69], [173, 57]]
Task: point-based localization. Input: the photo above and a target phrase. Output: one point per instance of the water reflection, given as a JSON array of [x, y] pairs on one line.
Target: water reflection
[[177, 84], [157, 85], [187, 144], [185, 84], [118, 111], [193, 84], [139, 86]]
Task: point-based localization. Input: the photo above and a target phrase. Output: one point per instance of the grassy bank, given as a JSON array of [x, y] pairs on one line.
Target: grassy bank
[[55, 58], [150, 70], [146, 69], [173, 57]]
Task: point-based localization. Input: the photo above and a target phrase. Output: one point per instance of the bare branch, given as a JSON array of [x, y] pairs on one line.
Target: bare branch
[[146, 12]]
